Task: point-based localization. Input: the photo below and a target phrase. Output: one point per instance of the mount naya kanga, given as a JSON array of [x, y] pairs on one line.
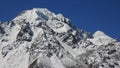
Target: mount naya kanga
[[38, 38]]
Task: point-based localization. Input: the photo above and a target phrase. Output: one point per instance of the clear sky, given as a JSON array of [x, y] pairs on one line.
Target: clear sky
[[90, 15]]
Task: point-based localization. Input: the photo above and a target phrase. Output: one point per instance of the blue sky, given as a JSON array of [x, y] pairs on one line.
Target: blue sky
[[90, 15]]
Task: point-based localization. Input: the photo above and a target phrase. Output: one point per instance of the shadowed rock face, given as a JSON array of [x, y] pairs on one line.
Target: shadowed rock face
[[35, 65], [2, 30], [38, 38], [25, 34]]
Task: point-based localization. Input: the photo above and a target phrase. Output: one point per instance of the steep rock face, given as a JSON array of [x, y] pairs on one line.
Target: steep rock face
[[38, 38]]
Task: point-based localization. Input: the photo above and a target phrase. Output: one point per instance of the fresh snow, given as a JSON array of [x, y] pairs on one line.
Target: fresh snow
[[39, 38]]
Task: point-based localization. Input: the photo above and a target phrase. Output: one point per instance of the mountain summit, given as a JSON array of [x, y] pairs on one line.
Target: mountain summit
[[38, 38]]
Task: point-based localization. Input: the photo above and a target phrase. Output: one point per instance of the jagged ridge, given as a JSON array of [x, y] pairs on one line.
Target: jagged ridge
[[38, 38]]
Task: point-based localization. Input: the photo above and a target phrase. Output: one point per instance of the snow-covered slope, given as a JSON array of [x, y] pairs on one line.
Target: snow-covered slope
[[38, 38]]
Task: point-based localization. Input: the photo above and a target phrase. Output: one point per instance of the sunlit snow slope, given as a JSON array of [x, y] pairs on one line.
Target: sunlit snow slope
[[38, 38]]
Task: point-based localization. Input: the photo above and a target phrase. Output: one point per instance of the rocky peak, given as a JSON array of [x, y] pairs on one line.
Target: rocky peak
[[39, 38]]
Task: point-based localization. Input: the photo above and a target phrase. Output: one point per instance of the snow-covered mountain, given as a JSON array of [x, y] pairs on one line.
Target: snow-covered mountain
[[38, 38]]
